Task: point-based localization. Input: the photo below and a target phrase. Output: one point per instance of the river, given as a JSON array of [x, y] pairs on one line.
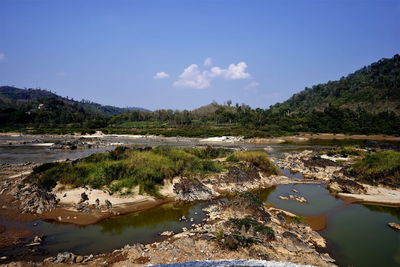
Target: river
[[357, 234]]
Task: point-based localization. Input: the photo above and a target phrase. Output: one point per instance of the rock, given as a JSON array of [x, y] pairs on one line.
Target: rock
[[294, 190], [82, 208], [33, 244], [87, 258], [79, 259], [283, 198], [108, 204], [167, 233], [84, 197], [346, 185], [394, 225], [192, 189], [63, 257], [298, 199], [37, 239]]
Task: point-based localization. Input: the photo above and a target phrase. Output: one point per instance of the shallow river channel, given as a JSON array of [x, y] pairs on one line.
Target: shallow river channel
[[357, 234]]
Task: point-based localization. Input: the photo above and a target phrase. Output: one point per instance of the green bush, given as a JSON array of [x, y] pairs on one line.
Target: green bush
[[379, 167], [257, 226], [345, 152], [125, 168], [258, 158]]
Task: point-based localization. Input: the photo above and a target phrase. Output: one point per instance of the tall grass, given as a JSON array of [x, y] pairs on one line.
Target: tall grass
[[126, 168], [258, 158], [379, 167], [346, 151]]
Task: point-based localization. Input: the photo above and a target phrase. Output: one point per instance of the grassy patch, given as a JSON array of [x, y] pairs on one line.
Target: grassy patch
[[125, 168], [258, 158], [297, 219], [258, 227], [345, 152], [379, 167]]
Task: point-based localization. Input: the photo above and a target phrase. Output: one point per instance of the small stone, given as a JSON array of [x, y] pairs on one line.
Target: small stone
[[78, 259], [394, 225]]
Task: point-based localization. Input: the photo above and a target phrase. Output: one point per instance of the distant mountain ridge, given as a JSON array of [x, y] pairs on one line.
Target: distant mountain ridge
[[375, 88], [11, 97]]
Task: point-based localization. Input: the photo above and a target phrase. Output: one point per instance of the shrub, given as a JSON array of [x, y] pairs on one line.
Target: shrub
[[252, 197], [124, 168], [379, 167], [257, 226], [258, 158], [346, 151]]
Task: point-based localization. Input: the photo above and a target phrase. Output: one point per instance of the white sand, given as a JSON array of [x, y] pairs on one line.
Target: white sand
[[71, 196], [41, 144], [377, 194], [229, 139], [335, 158]]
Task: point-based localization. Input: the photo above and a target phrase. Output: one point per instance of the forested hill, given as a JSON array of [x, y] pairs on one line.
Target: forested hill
[[375, 88], [37, 106]]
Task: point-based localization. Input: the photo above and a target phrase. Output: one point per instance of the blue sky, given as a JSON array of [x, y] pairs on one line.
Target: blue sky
[[258, 52]]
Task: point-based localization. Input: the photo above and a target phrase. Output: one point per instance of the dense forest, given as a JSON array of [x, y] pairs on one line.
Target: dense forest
[[365, 102], [42, 107]]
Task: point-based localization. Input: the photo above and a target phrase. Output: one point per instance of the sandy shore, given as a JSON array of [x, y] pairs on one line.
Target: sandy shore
[[375, 195], [223, 139]]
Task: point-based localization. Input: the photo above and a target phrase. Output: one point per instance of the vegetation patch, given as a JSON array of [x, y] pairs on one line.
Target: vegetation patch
[[345, 152], [128, 167], [258, 227], [379, 168], [254, 199], [258, 158]]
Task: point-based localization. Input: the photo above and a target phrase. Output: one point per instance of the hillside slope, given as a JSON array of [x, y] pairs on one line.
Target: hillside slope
[[42, 106], [375, 88]]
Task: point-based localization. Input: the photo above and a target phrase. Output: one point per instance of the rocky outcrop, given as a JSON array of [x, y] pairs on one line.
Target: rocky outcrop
[[394, 225], [190, 189], [81, 143], [310, 165], [33, 199], [68, 257], [343, 185], [240, 178]]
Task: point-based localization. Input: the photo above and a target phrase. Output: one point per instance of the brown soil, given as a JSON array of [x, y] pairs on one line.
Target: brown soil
[[12, 236]]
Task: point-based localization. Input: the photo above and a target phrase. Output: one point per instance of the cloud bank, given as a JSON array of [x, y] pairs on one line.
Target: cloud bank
[[193, 77]]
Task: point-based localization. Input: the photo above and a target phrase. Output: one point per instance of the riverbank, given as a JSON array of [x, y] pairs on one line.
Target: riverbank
[[211, 188], [222, 139], [227, 233]]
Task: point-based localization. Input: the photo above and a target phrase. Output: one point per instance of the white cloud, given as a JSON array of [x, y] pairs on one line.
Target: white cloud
[[192, 77], [161, 75], [2, 57], [252, 84], [233, 72], [208, 62]]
